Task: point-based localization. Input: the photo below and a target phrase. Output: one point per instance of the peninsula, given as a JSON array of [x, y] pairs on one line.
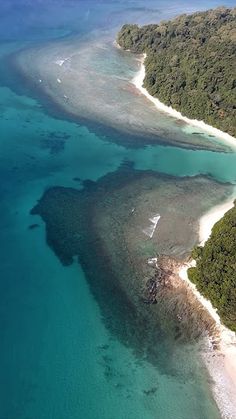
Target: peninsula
[[190, 64]]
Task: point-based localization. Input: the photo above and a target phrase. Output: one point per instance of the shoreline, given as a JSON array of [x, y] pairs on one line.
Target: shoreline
[[138, 83], [221, 363], [209, 219]]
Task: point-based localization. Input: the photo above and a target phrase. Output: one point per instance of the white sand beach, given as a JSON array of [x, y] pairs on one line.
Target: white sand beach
[[210, 218], [221, 364], [138, 82]]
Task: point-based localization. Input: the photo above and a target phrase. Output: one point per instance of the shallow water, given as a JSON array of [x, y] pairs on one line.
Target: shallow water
[[71, 74], [58, 360]]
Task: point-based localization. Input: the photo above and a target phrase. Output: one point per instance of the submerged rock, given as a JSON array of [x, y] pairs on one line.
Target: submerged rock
[[33, 226]]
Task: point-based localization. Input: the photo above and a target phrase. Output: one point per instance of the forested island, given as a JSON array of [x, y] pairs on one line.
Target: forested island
[[190, 64], [215, 271]]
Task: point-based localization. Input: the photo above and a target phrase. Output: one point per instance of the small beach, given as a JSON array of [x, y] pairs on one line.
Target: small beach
[[221, 362], [138, 82]]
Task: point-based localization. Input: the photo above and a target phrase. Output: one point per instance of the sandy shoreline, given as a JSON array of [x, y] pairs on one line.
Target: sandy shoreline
[[225, 382], [221, 364], [138, 82], [210, 218]]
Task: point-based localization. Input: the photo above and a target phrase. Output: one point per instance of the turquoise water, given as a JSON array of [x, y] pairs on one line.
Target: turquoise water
[[57, 358]]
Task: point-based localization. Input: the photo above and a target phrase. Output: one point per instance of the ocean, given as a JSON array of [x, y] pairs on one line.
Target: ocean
[[59, 356]]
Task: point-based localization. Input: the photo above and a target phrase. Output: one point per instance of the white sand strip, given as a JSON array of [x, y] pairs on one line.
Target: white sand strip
[[222, 367], [210, 218], [138, 82]]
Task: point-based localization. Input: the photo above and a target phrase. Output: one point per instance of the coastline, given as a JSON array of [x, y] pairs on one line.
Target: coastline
[[209, 219], [220, 362], [138, 83]]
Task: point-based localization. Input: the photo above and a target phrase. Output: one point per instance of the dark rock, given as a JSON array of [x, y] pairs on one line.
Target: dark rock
[[33, 226]]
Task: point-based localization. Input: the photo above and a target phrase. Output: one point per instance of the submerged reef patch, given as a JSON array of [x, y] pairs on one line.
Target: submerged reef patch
[[103, 226]]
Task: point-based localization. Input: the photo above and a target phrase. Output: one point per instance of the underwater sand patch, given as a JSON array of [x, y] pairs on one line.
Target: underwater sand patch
[[91, 81]]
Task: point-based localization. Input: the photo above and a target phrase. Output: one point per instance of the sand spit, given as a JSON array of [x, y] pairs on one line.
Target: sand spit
[[138, 82]]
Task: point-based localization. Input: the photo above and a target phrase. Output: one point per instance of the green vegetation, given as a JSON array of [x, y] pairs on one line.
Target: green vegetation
[[215, 271], [191, 64]]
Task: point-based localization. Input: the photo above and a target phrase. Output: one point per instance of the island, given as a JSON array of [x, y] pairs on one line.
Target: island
[[190, 64]]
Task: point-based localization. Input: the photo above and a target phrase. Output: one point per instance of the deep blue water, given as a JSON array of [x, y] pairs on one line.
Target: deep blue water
[[57, 360]]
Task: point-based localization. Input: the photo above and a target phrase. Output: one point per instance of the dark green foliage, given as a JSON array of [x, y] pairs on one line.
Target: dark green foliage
[[191, 64], [215, 271]]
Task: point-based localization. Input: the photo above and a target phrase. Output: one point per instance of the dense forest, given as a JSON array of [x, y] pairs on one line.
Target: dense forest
[[190, 64], [215, 271]]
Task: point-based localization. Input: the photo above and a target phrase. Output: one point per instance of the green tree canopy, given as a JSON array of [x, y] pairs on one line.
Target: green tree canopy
[[215, 271], [191, 64]]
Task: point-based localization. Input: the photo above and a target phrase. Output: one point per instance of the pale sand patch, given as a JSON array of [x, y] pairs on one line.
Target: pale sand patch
[[210, 219], [221, 364], [138, 82]]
